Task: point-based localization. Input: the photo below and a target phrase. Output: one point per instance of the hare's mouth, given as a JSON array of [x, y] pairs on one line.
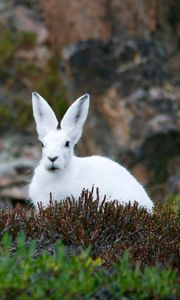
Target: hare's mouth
[[53, 168]]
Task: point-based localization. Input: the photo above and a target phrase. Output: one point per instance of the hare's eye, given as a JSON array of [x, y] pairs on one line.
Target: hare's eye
[[67, 144], [42, 145]]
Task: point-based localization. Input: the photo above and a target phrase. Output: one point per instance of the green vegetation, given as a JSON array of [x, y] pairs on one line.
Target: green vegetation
[[27, 39], [51, 88], [7, 46], [81, 249], [67, 277], [173, 200], [10, 42], [21, 73], [6, 116]]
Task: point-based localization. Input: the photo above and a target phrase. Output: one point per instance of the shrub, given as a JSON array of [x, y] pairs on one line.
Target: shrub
[[76, 276], [107, 228]]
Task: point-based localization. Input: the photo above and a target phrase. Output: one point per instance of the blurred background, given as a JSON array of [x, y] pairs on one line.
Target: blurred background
[[124, 53]]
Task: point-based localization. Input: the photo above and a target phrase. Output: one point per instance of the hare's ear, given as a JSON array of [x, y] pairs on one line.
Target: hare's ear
[[44, 116], [75, 117]]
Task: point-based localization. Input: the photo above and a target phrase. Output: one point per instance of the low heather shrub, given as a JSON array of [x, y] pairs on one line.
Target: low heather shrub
[[108, 229]]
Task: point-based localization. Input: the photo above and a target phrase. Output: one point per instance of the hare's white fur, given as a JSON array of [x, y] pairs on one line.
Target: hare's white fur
[[63, 174]]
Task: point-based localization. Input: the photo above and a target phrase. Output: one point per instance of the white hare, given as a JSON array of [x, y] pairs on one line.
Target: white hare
[[63, 174]]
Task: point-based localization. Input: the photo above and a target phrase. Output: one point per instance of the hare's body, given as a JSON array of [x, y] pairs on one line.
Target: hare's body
[[63, 174], [116, 182]]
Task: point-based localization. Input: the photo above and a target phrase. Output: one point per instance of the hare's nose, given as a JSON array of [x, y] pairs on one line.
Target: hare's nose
[[52, 159]]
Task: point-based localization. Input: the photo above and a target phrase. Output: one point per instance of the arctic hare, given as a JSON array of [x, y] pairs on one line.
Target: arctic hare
[[63, 174]]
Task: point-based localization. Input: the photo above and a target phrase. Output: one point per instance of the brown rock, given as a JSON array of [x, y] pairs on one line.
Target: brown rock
[[14, 193], [5, 203], [39, 53], [15, 180], [174, 184], [117, 116], [25, 19], [134, 115], [73, 21], [108, 50], [136, 16], [140, 171]]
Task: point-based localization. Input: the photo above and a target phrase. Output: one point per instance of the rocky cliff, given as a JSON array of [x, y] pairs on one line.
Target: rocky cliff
[[124, 53]]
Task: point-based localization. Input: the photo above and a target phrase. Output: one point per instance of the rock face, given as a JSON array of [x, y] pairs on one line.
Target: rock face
[[18, 158], [135, 103], [133, 78], [124, 53], [71, 21], [26, 64]]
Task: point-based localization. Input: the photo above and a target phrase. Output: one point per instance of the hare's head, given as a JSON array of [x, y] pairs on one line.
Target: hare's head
[[58, 143]]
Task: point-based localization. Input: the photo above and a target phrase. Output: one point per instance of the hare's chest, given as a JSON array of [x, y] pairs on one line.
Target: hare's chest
[[61, 188]]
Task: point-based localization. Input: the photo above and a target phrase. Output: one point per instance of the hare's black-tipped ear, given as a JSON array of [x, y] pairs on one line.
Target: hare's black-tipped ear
[[44, 116], [75, 118]]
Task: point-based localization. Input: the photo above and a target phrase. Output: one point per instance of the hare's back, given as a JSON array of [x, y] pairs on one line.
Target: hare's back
[[102, 167], [113, 180]]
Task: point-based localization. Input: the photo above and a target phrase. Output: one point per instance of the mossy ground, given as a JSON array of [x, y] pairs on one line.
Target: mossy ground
[[21, 76]]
